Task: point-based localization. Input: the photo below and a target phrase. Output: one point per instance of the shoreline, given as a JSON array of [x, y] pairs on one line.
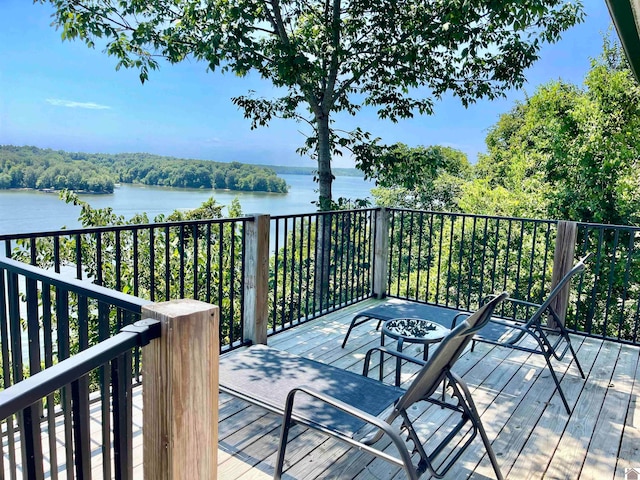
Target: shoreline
[[53, 190], [91, 192]]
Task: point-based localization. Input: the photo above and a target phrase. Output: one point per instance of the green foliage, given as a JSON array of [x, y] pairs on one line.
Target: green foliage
[[293, 292], [325, 58], [31, 167], [428, 178], [457, 260], [567, 152]]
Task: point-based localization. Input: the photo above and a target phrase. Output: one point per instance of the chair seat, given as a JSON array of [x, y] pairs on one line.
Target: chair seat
[[502, 334], [264, 376]]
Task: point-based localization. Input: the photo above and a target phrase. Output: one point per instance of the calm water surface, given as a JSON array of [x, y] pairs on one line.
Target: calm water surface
[[30, 211]]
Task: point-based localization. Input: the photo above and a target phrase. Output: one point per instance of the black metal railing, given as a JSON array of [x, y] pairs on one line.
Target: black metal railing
[[455, 260], [606, 302], [46, 320], [202, 259], [321, 262]]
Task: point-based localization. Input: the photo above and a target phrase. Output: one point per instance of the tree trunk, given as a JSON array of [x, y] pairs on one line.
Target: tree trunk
[[325, 178]]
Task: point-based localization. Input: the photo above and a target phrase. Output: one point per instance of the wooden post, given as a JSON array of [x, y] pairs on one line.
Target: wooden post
[[256, 279], [180, 392], [566, 238], [381, 253]]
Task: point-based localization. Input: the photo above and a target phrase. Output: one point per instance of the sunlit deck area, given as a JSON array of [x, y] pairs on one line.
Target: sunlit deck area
[[531, 433]]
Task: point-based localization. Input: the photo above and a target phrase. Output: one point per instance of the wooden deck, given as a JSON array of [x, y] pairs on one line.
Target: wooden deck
[[531, 433]]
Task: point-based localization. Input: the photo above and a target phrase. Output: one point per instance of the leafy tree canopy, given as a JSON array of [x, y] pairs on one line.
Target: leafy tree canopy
[[420, 177], [567, 152], [331, 56]]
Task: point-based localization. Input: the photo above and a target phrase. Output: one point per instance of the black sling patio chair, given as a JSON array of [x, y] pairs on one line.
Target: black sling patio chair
[[551, 342], [342, 403]]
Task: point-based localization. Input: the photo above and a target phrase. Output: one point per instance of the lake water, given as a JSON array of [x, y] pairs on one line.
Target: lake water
[[30, 211]]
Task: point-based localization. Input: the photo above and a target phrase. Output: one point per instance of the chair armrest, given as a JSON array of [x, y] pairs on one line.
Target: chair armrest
[[512, 300], [459, 315], [393, 353], [522, 302]]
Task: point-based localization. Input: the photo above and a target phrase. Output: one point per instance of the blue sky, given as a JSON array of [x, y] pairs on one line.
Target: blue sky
[[63, 95]]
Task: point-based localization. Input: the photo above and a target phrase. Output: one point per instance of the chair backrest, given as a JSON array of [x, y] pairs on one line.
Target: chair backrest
[[577, 268], [447, 353]]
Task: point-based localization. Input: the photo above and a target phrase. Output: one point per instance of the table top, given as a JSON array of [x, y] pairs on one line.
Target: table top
[[414, 330]]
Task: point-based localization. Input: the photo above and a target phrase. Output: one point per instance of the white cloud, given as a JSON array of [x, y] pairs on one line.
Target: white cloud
[[71, 104]]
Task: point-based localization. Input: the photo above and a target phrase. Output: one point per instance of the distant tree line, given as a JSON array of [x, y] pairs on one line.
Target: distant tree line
[[31, 167]]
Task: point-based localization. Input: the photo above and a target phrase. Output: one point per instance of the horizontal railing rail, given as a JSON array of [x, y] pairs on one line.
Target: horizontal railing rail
[[25, 400], [38, 386], [46, 319], [98, 292]]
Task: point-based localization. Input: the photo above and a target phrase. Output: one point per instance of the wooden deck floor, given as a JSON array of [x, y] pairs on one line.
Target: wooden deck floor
[[531, 433]]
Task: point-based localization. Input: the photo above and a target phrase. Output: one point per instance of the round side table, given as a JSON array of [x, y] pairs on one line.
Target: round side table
[[412, 330]]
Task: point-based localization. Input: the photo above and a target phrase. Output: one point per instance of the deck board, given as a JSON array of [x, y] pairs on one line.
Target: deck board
[[514, 393], [523, 411], [629, 452], [569, 456], [600, 462], [543, 429], [525, 420]]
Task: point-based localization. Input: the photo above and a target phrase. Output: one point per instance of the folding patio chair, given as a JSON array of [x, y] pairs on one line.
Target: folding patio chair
[[341, 403], [551, 342]]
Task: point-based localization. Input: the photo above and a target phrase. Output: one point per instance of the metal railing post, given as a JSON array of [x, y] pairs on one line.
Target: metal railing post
[[256, 278], [381, 253], [180, 394]]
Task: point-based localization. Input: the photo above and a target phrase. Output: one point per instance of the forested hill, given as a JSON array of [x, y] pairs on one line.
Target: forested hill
[[31, 167]]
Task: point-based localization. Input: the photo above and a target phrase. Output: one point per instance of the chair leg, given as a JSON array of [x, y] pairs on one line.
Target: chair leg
[[346, 337], [475, 419], [548, 351], [557, 382], [424, 463], [487, 445], [575, 357], [284, 435], [355, 323]]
